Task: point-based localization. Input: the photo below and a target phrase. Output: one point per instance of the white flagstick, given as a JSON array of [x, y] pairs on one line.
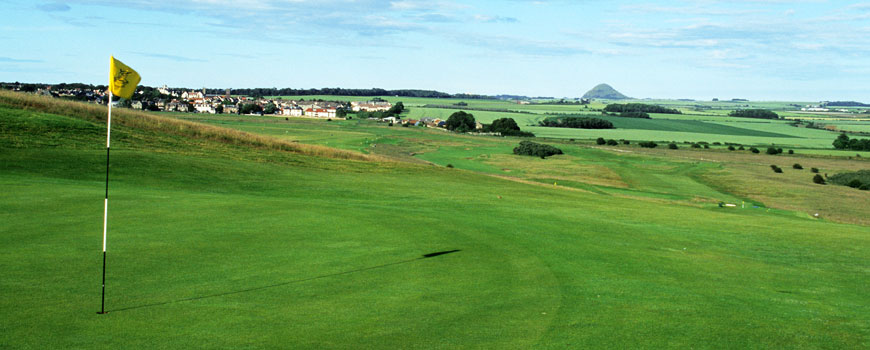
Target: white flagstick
[[106, 204]]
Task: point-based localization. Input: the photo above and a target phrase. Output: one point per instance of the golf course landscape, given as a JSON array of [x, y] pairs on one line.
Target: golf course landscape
[[250, 232]]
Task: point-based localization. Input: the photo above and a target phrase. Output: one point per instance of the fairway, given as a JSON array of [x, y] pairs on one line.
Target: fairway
[[227, 243]]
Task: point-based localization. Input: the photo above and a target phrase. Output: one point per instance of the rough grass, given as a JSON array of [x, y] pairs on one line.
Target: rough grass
[[157, 123]]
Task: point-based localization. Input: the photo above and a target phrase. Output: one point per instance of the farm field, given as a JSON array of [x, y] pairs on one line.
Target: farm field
[[221, 241], [709, 125]]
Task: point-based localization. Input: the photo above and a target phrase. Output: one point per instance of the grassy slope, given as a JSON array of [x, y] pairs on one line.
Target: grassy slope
[[213, 245]]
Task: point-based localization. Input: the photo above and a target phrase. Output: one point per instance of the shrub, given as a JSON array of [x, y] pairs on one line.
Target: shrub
[[706, 146], [529, 148], [648, 144], [791, 151], [854, 179], [600, 141], [717, 143], [771, 150], [672, 146], [731, 148], [864, 187], [797, 166], [450, 165], [741, 148], [612, 142], [819, 179], [695, 145], [815, 170], [754, 150], [626, 142], [776, 169]]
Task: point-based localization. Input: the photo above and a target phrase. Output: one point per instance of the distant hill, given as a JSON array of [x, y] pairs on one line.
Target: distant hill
[[846, 104], [604, 91]]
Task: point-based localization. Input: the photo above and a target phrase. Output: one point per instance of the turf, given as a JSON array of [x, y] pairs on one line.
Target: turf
[[217, 245]]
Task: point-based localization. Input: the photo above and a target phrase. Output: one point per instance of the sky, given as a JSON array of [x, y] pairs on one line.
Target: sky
[[760, 50]]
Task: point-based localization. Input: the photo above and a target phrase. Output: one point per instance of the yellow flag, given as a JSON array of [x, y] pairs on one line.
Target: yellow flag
[[122, 79]]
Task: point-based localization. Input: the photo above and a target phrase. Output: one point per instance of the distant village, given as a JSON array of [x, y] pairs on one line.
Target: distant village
[[165, 99], [182, 100]]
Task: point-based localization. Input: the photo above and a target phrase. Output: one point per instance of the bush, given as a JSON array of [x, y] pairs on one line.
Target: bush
[[600, 141], [819, 179], [695, 145], [771, 150], [864, 187], [706, 146], [754, 150], [529, 148], [626, 142], [741, 148], [450, 165], [815, 170], [717, 143], [791, 151], [672, 146], [731, 148], [854, 179], [797, 166], [776, 169], [648, 144], [612, 142]]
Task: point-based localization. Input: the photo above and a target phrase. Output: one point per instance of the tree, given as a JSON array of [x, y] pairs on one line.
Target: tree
[[674, 145], [754, 113], [504, 124], [271, 108], [460, 122], [819, 179], [249, 108], [529, 148], [396, 109], [612, 142], [219, 109], [600, 141]]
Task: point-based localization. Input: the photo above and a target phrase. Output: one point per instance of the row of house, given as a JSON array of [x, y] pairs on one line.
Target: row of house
[[201, 102]]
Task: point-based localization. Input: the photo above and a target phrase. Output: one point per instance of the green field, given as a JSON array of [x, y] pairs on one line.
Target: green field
[[701, 120], [219, 239]]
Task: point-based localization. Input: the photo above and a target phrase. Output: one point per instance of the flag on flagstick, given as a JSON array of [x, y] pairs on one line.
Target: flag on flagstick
[[123, 79], [122, 82]]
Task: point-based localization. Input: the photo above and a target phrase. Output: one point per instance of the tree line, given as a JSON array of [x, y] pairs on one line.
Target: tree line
[[576, 123], [844, 142], [754, 113], [639, 107]]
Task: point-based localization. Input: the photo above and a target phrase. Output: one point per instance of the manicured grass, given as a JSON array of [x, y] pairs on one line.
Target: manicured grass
[[219, 245]]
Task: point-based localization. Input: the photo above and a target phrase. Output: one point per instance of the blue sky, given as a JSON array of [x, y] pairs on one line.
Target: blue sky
[[761, 50]]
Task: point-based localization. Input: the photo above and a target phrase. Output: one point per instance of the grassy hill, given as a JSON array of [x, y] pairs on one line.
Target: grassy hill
[[604, 91], [227, 238]]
